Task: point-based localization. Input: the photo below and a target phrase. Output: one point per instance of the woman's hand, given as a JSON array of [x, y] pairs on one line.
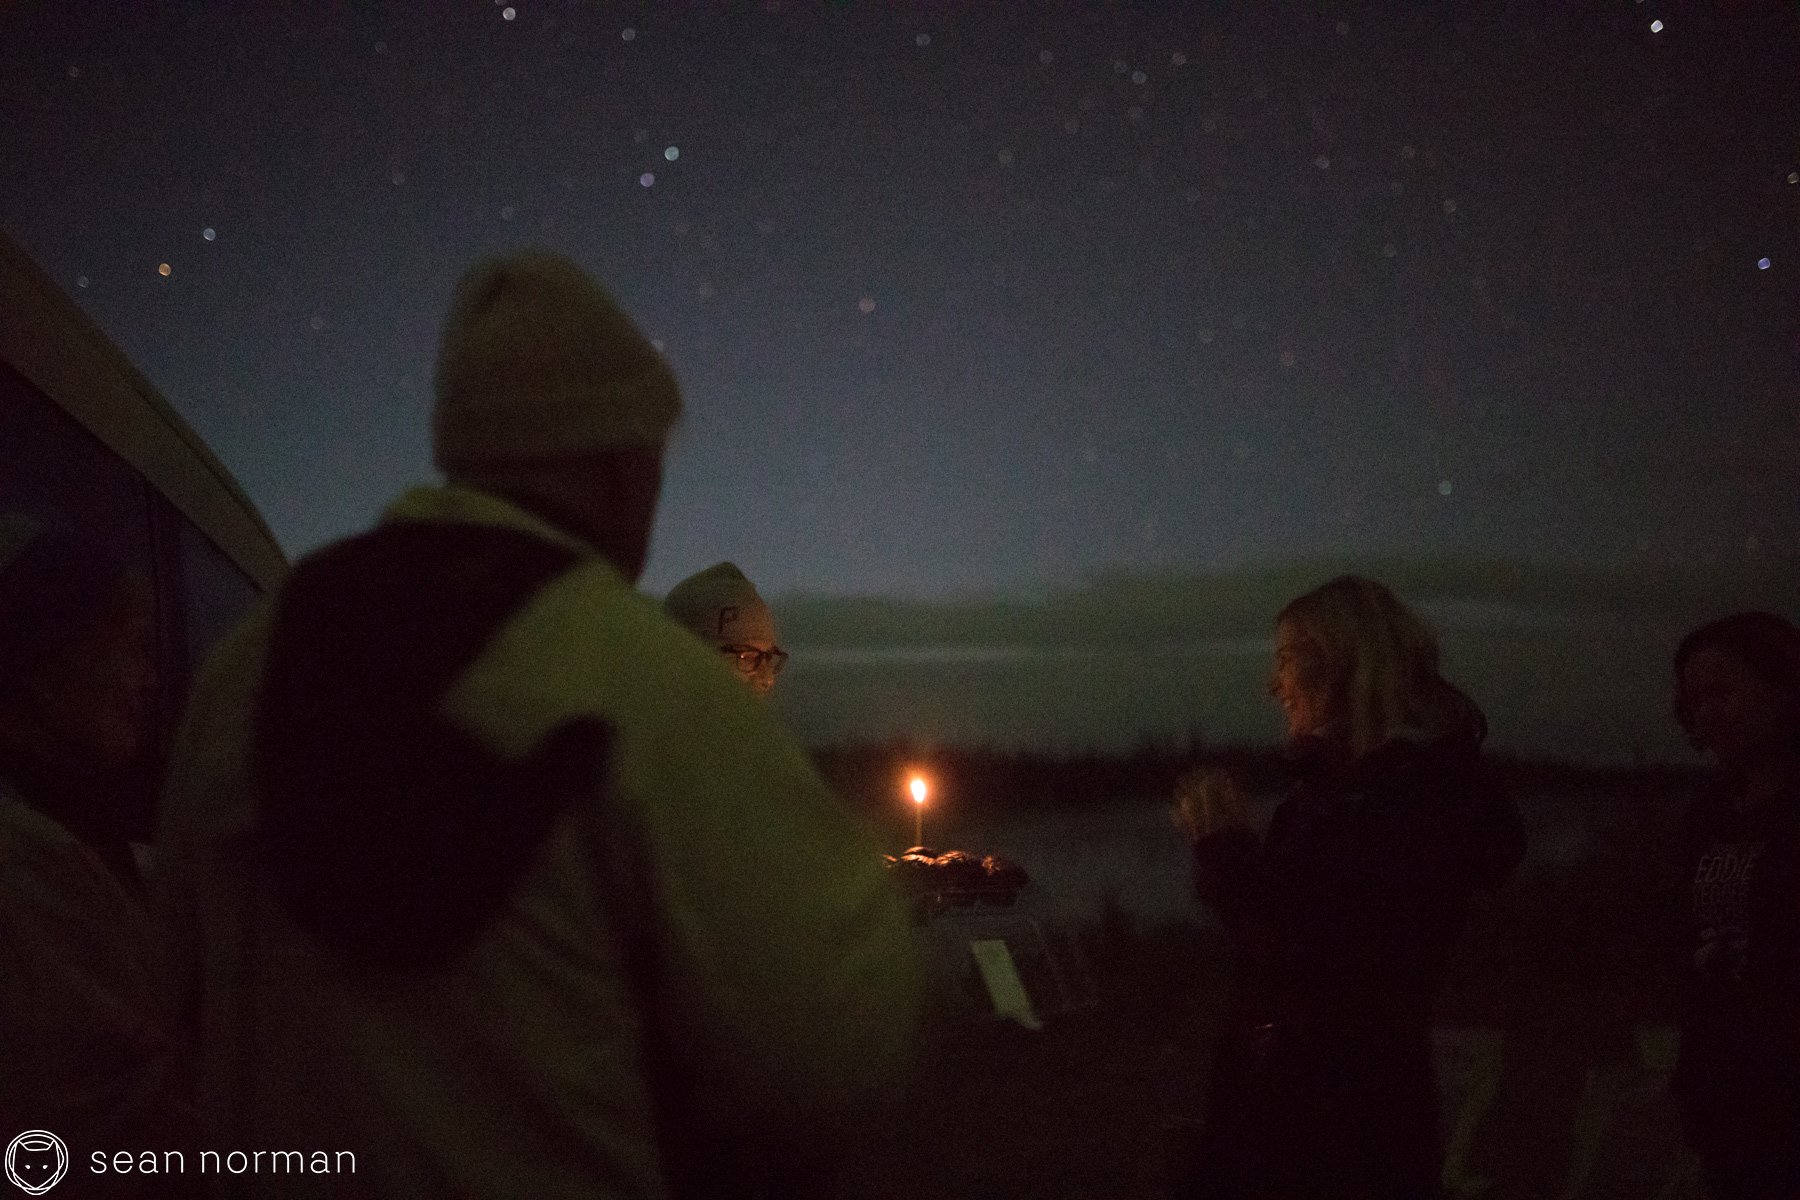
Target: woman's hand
[[1208, 800]]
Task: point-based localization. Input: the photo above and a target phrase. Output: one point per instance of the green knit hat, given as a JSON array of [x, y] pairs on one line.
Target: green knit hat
[[538, 362]]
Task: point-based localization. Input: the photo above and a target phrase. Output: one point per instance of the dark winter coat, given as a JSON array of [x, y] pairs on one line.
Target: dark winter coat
[[1343, 916]]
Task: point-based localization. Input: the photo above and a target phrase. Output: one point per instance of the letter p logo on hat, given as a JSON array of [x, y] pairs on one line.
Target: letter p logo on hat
[[36, 1161]]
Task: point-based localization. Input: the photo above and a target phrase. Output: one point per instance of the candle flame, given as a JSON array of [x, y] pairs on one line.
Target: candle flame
[[918, 790]]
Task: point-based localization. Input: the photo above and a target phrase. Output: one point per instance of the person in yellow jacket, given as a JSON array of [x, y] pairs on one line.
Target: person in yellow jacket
[[489, 875]]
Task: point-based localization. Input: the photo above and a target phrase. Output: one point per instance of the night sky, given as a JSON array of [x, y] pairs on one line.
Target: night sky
[[982, 297]]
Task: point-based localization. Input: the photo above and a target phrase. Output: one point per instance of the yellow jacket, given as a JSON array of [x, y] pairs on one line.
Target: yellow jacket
[[785, 963]]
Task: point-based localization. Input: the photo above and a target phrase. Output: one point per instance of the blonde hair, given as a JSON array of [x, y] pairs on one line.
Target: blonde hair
[[1386, 661]]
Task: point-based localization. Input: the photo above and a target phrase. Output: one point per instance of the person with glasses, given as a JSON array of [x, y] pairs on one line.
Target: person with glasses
[[723, 610]]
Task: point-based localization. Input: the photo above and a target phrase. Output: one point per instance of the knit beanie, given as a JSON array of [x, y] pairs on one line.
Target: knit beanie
[[54, 584], [538, 362], [721, 607]]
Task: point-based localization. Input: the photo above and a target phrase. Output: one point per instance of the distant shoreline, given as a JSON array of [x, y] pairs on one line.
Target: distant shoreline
[[993, 778]]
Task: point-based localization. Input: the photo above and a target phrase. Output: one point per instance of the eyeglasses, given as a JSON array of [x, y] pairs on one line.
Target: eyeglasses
[[750, 660]]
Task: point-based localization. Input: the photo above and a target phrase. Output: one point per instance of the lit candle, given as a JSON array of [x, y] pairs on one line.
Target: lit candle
[[918, 789]]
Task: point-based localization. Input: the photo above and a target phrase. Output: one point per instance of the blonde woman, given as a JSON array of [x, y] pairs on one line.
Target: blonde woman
[[1345, 911]]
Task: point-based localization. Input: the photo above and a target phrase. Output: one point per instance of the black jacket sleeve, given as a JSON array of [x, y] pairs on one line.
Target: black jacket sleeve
[[1229, 879]]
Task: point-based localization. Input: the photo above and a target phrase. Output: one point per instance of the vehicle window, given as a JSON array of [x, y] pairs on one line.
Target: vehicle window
[[54, 470], [217, 592]]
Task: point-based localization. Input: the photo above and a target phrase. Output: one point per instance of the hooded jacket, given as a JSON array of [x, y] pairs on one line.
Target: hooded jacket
[[1361, 886], [575, 970], [1344, 916]]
